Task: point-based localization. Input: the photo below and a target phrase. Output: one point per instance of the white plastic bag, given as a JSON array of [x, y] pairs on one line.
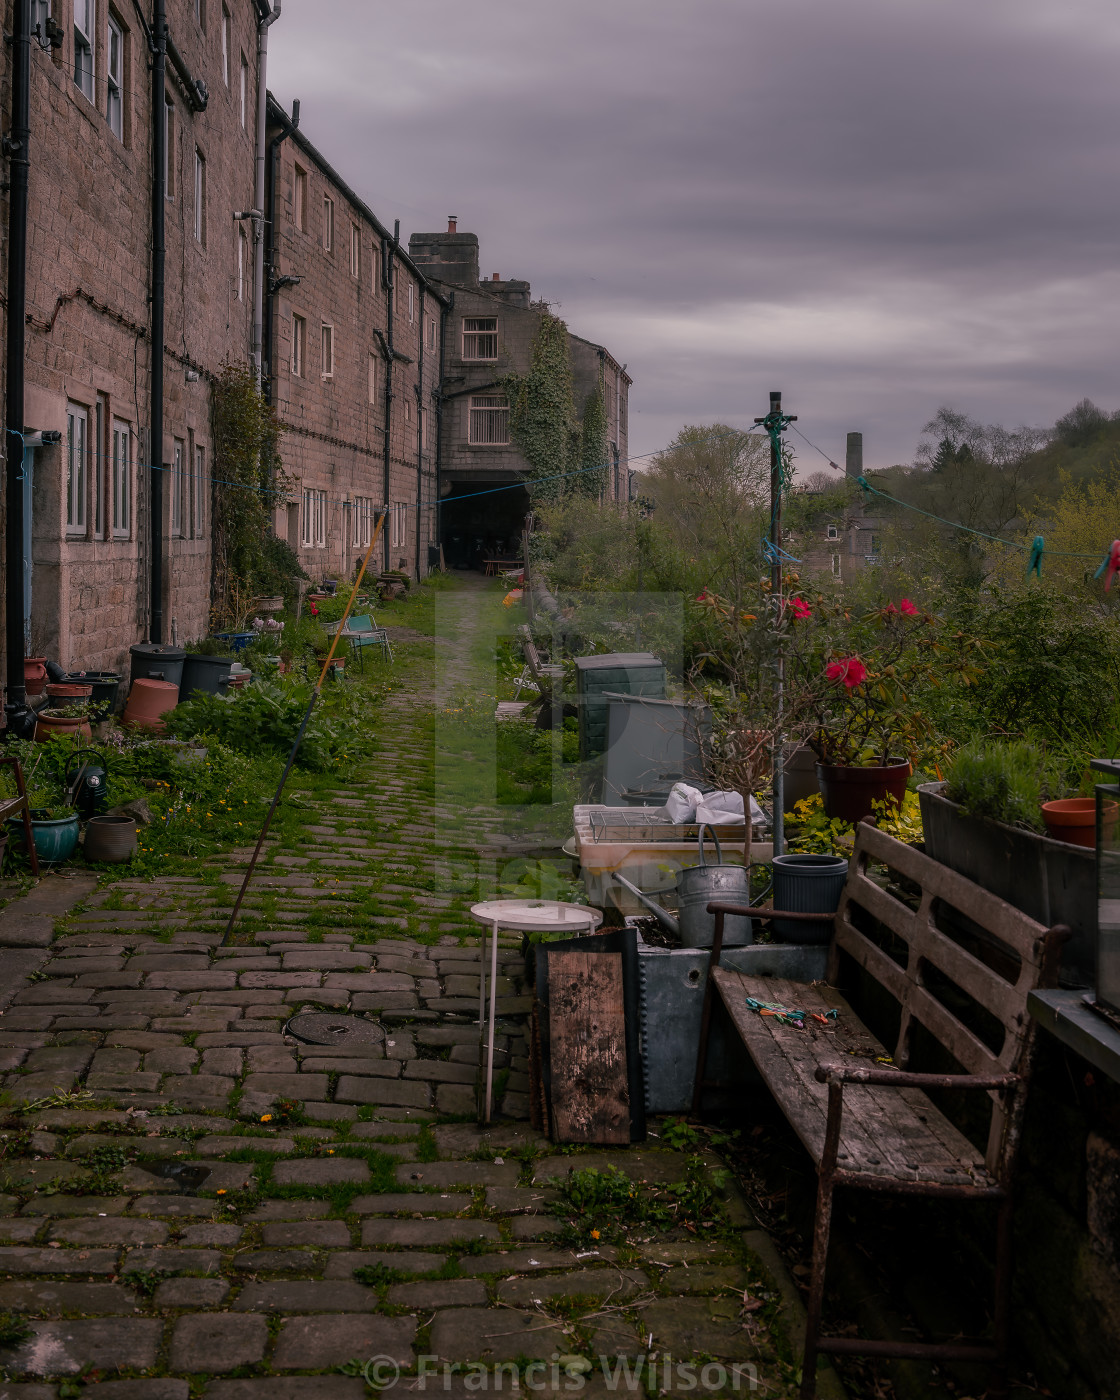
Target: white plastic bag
[[680, 805], [724, 809]]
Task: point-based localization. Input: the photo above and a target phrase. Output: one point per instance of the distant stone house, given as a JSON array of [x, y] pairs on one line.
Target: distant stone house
[[488, 333], [840, 543]]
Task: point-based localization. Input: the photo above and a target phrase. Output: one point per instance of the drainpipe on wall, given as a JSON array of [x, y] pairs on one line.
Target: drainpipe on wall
[[159, 259], [263, 26], [390, 278], [420, 431], [273, 168], [445, 311], [17, 147]]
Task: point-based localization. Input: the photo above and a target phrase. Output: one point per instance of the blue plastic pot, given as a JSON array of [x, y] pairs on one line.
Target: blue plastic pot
[[237, 641]]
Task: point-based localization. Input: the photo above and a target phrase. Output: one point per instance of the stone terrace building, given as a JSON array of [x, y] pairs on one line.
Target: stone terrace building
[[88, 333], [353, 359], [488, 333]]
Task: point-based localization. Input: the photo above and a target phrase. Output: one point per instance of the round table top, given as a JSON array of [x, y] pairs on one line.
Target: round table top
[[549, 915]]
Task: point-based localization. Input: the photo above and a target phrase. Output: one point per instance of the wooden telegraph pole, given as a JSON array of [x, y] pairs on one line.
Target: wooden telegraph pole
[[775, 424]]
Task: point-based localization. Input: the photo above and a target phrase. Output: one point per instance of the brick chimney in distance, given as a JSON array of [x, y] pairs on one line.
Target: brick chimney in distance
[[452, 223], [496, 277]]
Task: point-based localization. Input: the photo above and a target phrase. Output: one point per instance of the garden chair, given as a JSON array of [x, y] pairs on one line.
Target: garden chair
[[364, 632]]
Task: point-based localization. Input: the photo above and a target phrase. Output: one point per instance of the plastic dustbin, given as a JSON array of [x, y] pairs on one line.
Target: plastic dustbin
[[205, 675], [156, 662], [807, 884]]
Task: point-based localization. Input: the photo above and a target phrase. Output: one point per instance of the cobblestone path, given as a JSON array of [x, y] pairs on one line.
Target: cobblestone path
[[194, 1204]]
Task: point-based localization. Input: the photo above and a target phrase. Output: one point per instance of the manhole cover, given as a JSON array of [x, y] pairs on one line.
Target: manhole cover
[[321, 1028]]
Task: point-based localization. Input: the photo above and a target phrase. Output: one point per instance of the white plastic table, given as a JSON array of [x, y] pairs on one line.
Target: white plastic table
[[526, 916]]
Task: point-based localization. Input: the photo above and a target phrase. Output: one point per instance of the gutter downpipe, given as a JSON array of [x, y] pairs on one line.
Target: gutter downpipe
[[17, 146], [159, 260], [420, 430], [445, 311], [263, 27], [269, 301], [390, 279]]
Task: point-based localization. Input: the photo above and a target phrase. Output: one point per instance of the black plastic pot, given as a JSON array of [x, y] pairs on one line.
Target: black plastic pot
[[204, 675], [156, 662], [103, 698], [807, 884]]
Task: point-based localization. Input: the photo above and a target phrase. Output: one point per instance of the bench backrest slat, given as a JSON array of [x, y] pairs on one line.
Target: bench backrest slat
[[1011, 934]]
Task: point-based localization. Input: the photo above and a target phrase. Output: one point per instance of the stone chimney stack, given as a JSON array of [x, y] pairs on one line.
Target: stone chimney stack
[[853, 460], [452, 223]]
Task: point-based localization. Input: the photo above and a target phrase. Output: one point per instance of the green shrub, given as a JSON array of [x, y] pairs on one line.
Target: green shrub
[[262, 716], [1006, 782]]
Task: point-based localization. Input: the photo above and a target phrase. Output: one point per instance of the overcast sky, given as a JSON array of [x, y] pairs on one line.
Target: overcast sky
[[876, 206]]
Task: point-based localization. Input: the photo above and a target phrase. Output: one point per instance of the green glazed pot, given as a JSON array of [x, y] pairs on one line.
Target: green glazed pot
[[55, 837]]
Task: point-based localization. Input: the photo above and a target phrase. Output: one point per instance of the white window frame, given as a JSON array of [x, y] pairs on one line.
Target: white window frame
[[488, 420], [832, 533], [114, 77], [97, 474], [423, 430], [836, 565], [313, 518], [363, 516], [199, 197], [200, 14], [326, 350], [299, 198], [77, 467], [244, 93], [40, 13], [328, 224], [226, 45], [480, 333], [299, 345], [121, 484], [397, 530], [411, 303], [85, 43], [407, 409], [371, 385], [198, 493], [355, 251], [431, 332], [178, 454], [242, 262]]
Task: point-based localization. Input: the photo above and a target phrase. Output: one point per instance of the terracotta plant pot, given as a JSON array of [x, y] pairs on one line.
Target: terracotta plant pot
[[68, 690], [850, 793], [148, 702], [110, 839], [48, 725], [1074, 819], [34, 674]]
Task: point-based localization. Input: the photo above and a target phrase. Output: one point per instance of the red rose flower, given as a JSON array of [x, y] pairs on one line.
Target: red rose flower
[[849, 670]]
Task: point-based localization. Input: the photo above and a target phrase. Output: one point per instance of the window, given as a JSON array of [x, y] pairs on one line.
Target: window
[[200, 13], [431, 333], [832, 533], [408, 410], [40, 13], [198, 493], [114, 79], [244, 93], [77, 427], [169, 148], [225, 45], [313, 519], [299, 199], [178, 485], [85, 26], [480, 337], [423, 430], [355, 251], [199, 196], [363, 521], [397, 522], [242, 263], [121, 481], [98, 471], [328, 352], [488, 420], [836, 565], [299, 345], [876, 544], [372, 379], [411, 303], [328, 223]]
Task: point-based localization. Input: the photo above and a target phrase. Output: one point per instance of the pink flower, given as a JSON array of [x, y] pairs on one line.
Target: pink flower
[[800, 608], [849, 669], [908, 608]]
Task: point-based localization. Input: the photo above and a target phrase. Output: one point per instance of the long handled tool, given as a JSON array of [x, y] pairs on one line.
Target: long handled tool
[[301, 731]]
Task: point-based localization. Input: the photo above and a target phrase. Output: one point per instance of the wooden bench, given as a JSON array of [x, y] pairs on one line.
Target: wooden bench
[[19, 806], [942, 947]]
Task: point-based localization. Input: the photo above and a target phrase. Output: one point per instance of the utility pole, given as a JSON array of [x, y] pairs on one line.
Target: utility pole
[[775, 424]]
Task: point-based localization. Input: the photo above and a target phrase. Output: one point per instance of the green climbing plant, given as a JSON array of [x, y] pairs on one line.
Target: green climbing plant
[[593, 446], [543, 422], [249, 482]]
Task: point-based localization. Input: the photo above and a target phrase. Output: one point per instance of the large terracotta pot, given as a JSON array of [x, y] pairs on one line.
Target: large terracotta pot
[[148, 702], [1074, 819], [850, 793], [47, 726], [34, 674], [69, 690]]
